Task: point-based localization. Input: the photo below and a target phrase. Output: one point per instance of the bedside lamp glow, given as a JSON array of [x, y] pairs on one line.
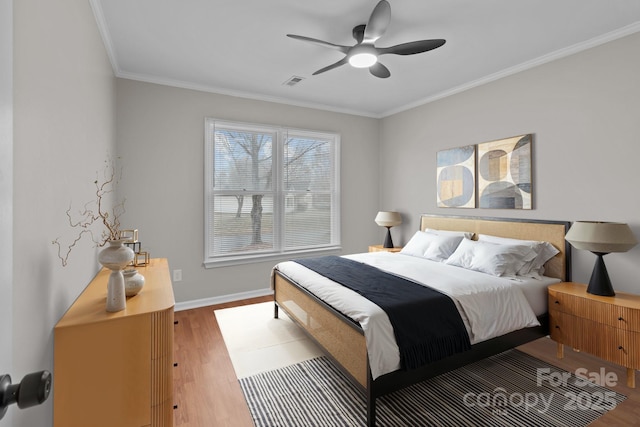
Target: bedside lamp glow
[[601, 238], [388, 219]]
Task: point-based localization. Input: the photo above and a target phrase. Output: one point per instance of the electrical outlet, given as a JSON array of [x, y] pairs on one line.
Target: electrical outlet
[[177, 275]]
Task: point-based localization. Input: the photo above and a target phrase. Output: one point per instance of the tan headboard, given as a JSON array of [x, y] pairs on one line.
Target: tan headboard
[[526, 229]]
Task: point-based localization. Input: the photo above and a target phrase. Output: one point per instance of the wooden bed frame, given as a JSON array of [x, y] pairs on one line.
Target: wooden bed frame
[[343, 340]]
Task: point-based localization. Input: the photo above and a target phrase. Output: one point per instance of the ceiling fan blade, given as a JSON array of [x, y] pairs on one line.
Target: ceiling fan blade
[[332, 66], [343, 49], [412, 48], [379, 70], [378, 22]]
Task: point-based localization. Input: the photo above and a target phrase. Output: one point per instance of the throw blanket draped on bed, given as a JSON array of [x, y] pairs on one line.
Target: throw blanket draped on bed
[[426, 322]]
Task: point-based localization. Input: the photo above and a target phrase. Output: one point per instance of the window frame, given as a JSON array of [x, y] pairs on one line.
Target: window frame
[[278, 191]]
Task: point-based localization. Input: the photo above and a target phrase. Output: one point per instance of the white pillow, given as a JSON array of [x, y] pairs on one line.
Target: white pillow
[[491, 258], [418, 244], [442, 247], [431, 246], [535, 268], [465, 234]]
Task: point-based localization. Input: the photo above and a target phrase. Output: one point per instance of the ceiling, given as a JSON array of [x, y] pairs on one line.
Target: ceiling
[[240, 48]]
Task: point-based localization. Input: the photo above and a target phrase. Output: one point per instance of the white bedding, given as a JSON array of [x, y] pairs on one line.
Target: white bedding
[[477, 296]]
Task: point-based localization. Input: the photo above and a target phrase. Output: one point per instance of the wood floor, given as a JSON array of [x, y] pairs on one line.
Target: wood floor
[[207, 393]]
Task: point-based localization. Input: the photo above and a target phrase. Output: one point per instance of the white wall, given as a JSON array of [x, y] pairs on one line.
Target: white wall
[[161, 143], [583, 111], [64, 125], [6, 189]]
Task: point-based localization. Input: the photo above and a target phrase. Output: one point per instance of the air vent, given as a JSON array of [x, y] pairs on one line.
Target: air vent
[[293, 80]]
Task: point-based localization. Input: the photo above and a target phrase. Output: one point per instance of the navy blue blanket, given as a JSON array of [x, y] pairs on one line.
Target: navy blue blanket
[[426, 322]]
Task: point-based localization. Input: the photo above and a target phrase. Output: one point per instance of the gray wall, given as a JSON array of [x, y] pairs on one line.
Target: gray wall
[[6, 188], [64, 125], [583, 111], [160, 134]]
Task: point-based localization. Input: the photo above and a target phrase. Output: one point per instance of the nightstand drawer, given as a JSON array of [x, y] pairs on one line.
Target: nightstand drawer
[[625, 318], [563, 328], [616, 316], [609, 343], [614, 345], [380, 248], [562, 302]]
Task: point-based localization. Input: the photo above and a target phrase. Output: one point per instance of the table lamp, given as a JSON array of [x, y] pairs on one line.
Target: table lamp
[[601, 238], [388, 219]]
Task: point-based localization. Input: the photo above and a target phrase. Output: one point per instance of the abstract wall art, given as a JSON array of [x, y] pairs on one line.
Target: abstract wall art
[[504, 173], [456, 177]]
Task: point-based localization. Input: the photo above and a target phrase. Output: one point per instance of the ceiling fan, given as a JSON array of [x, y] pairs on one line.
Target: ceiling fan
[[364, 54]]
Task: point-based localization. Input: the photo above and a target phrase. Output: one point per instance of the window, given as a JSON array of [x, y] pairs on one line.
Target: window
[[269, 191]]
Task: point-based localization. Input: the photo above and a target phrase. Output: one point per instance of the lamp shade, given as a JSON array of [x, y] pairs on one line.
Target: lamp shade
[[388, 219], [602, 237]]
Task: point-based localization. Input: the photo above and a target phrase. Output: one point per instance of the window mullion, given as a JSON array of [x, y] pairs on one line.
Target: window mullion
[[278, 206]]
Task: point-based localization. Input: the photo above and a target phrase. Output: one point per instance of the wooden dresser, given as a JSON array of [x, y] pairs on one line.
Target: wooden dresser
[[607, 327], [115, 369]]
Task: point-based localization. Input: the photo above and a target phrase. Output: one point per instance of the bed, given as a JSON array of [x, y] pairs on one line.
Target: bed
[[343, 338]]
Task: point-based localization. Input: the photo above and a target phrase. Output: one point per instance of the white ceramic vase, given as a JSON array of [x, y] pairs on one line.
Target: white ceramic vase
[[115, 257], [133, 282]]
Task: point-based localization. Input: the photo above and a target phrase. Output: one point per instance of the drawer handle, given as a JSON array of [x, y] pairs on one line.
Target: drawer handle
[[557, 302], [557, 327], [620, 318], [620, 347]]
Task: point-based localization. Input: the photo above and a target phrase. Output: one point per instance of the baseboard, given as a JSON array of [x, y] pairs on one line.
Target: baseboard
[[187, 305]]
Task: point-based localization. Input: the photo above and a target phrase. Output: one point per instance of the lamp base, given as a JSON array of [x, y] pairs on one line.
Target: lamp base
[[600, 284], [388, 243]]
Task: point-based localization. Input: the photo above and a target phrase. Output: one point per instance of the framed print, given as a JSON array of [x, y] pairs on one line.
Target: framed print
[[504, 173], [455, 170]]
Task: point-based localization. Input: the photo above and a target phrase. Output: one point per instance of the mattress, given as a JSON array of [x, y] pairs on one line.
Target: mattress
[[476, 295]]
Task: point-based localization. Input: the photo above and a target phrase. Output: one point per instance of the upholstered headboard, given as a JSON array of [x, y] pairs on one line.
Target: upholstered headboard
[[515, 228]]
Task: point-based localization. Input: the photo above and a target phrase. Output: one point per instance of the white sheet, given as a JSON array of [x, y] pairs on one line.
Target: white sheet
[[476, 295]]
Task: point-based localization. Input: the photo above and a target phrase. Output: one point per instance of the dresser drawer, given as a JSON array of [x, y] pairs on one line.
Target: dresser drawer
[[613, 315]]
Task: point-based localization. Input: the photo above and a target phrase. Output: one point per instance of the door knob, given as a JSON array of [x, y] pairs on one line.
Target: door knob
[[32, 390]]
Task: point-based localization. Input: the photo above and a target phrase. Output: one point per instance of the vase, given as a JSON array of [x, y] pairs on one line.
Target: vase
[[133, 282], [115, 257]]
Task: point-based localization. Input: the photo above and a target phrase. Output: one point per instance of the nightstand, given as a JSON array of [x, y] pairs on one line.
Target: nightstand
[[607, 327], [379, 248]]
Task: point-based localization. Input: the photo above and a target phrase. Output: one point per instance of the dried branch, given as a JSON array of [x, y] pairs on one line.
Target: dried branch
[[94, 211]]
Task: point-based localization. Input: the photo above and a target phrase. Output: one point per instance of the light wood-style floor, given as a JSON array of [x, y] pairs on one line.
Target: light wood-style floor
[[208, 394]]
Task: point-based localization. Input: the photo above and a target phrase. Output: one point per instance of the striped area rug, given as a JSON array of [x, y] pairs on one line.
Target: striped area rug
[[510, 389]]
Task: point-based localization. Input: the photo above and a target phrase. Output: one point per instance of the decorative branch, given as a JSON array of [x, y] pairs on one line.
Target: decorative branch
[[90, 215]]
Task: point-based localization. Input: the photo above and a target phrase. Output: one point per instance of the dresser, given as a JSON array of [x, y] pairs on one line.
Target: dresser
[[115, 369], [607, 327]]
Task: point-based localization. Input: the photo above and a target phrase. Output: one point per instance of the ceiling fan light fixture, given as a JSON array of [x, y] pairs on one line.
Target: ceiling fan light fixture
[[363, 60], [364, 54]]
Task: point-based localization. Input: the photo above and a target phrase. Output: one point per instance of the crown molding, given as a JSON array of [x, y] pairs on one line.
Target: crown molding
[[561, 53], [544, 59], [104, 33]]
